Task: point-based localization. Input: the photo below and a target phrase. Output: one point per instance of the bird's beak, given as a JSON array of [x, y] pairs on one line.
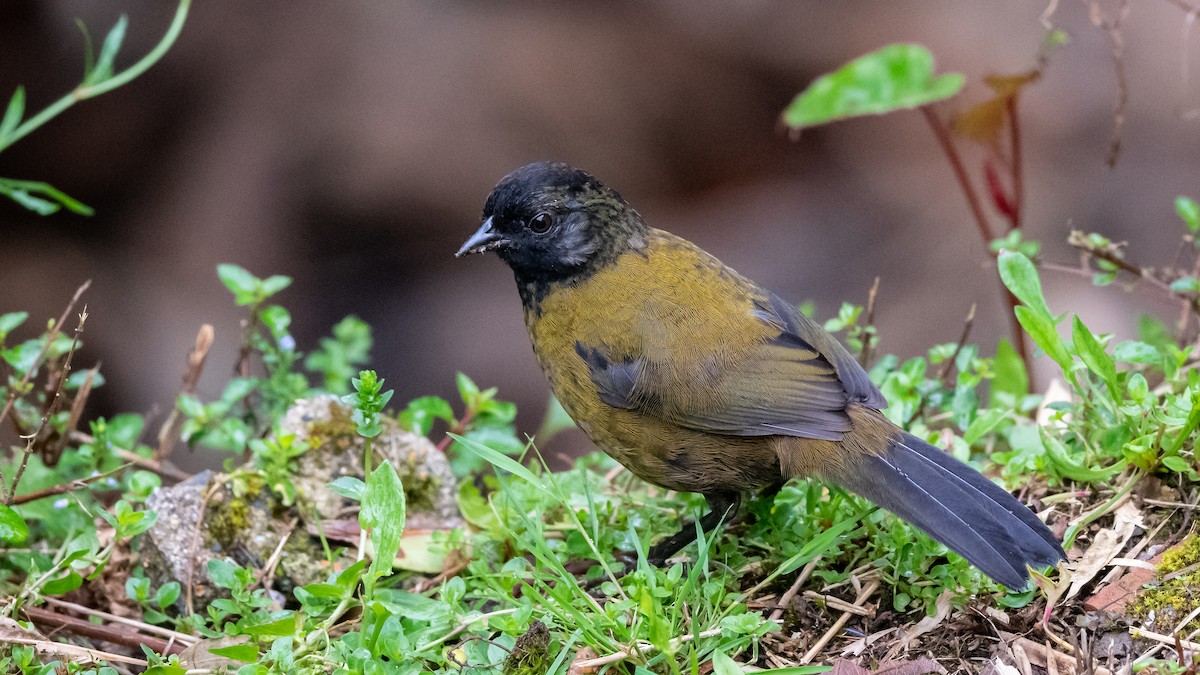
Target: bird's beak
[[485, 239]]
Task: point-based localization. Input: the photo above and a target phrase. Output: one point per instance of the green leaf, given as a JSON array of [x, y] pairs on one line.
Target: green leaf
[[895, 77], [723, 665], [24, 357], [1177, 464], [325, 591], [76, 379], [383, 513], [1010, 377], [1045, 335], [474, 507], [190, 405], [467, 389], [237, 389], [167, 594], [13, 529], [12, 114], [103, 69], [983, 424], [1186, 284], [277, 320], [1186, 207], [40, 206], [239, 281], [350, 487], [64, 584], [285, 626], [348, 578], [243, 653], [138, 589], [1021, 277], [224, 573], [164, 669], [499, 460], [1137, 387], [275, 283], [1094, 357], [9, 322], [1068, 467], [48, 199], [1134, 351], [796, 670], [502, 439], [421, 413]]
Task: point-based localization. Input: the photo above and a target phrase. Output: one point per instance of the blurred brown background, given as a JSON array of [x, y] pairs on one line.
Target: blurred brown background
[[350, 145]]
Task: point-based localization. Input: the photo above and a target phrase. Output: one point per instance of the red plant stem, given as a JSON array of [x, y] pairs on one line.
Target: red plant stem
[[1014, 142], [985, 230], [960, 172], [459, 427]]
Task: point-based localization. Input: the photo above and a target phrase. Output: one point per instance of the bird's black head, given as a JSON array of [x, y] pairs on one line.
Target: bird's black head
[[552, 223]]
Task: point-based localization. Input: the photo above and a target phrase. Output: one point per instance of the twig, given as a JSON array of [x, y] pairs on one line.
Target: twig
[[639, 648], [1187, 305], [75, 651], [866, 592], [51, 409], [1165, 639], [868, 332], [1043, 654], [1113, 27], [113, 618], [837, 603], [118, 636], [268, 570], [51, 454], [63, 488], [465, 625], [167, 435], [786, 598], [160, 468], [189, 579], [1079, 240], [50, 336], [962, 340]]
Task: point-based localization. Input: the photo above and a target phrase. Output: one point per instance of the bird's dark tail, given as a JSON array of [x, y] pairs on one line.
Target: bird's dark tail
[[955, 505]]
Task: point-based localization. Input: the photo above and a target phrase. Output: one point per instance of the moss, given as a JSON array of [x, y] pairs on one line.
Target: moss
[[1178, 557], [531, 652], [1172, 598], [336, 434], [227, 519], [420, 488]]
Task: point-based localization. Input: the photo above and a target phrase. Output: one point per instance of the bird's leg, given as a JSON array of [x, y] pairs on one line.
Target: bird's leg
[[720, 505], [773, 489]]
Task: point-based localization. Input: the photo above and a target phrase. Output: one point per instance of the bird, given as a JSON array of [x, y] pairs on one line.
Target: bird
[[697, 379]]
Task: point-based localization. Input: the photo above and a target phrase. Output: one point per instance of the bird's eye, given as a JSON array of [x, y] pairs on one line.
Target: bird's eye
[[541, 223]]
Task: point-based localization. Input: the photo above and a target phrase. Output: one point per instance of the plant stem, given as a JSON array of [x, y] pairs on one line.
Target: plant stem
[[981, 222], [83, 92], [1014, 142], [960, 172]]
